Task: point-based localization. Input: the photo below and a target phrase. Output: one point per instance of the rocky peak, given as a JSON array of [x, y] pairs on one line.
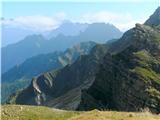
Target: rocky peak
[[140, 37], [154, 19]]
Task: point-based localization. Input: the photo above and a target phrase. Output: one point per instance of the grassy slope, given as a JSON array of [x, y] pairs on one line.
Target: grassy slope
[[112, 115], [16, 112], [20, 112]]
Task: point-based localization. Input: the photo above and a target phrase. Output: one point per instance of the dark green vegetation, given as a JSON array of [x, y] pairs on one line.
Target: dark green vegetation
[[20, 76]]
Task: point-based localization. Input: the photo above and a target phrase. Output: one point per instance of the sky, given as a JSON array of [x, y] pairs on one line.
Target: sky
[[45, 15]]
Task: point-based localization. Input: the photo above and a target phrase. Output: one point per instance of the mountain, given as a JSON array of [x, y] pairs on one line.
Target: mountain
[[129, 80], [64, 85], [123, 75], [154, 19], [100, 32], [33, 45], [67, 28], [13, 34], [15, 54], [20, 76]]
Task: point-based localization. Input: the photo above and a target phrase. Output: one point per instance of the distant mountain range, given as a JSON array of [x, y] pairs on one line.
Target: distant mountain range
[[122, 75], [33, 45], [67, 28], [12, 34]]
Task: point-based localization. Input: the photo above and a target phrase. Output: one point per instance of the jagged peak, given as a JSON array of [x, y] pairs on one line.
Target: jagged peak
[[154, 19]]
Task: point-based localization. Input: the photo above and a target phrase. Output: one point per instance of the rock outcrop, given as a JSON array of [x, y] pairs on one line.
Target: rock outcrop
[[128, 80]]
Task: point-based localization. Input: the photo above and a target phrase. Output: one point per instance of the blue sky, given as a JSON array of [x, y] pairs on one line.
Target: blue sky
[[123, 14], [15, 9]]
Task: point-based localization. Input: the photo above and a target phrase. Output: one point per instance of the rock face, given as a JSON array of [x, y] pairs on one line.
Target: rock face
[[128, 80], [63, 87], [20, 76], [154, 19]]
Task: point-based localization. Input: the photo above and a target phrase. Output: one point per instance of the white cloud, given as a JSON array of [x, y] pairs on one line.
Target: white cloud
[[60, 16], [40, 23], [122, 21], [36, 23]]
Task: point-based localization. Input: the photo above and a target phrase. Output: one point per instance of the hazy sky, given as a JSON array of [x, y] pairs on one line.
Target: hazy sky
[[48, 15]]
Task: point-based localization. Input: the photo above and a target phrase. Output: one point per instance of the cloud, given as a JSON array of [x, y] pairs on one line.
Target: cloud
[[122, 21], [37, 23]]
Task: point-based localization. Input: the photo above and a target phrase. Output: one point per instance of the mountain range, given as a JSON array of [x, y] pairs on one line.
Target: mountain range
[[20, 76], [72, 77], [122, 75], [67, 28], [12, 33], [32, 45]]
